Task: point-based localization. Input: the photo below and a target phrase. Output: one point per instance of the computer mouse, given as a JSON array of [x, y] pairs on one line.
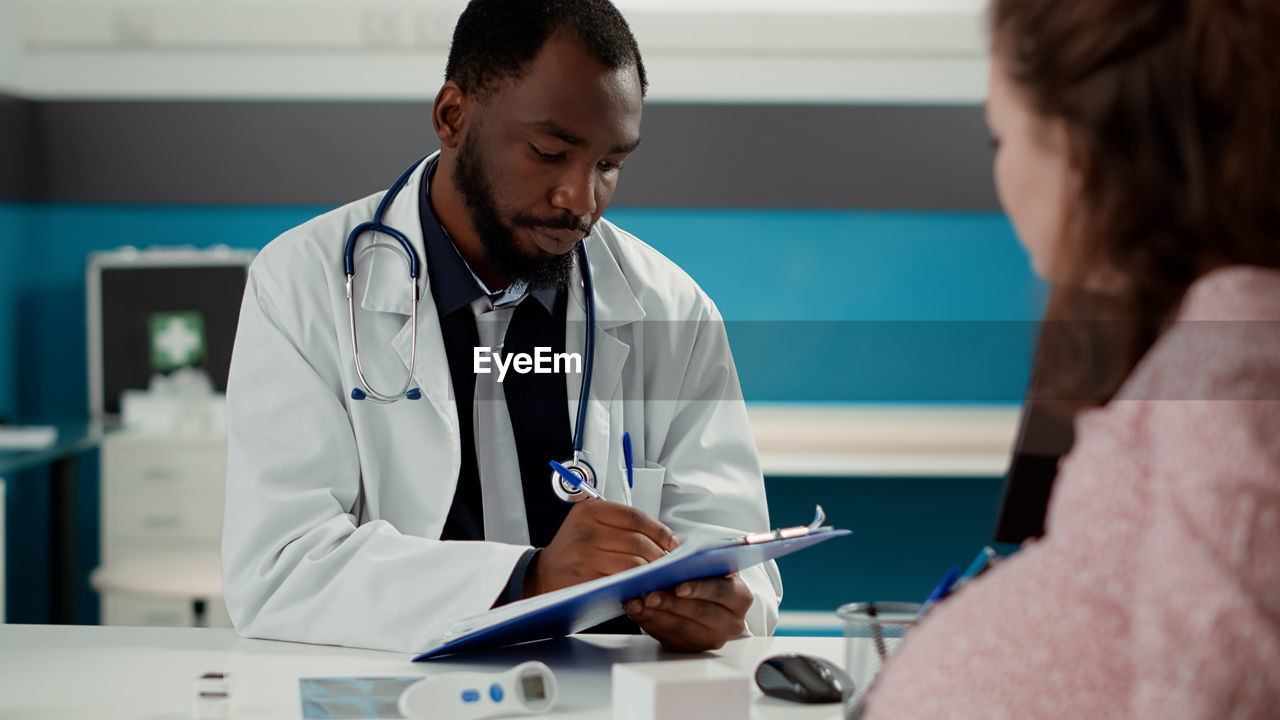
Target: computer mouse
[[803, 678]]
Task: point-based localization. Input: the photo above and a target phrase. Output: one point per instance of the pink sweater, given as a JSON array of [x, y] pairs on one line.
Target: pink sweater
[[1155, 592]]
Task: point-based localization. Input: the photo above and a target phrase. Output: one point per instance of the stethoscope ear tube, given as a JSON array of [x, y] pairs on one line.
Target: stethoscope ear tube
[[376, 225], [368, 393]]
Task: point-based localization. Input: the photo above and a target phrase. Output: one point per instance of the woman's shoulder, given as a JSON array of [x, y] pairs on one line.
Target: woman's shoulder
[[1236, 293], [1208, 392], [1224, 343]]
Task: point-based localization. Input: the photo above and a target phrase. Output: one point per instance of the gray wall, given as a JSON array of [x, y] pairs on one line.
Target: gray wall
[[909, 157]]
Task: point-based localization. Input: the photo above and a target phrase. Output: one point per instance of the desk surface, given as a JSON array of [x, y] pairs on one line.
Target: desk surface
[[64, 672]]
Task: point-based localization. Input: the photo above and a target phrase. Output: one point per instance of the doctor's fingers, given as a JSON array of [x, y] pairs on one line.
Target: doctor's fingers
[[603, 563], [685, 625], [708, 613], [625, 517], [630, 543], [730, 591]]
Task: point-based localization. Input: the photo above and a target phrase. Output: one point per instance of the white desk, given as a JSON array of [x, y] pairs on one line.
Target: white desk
[[61, 672]]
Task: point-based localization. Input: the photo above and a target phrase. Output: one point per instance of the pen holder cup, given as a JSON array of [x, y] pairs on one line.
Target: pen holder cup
[[871, 631]]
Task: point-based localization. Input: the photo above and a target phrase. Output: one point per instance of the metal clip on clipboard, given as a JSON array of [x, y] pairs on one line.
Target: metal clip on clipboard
[[819, 517]]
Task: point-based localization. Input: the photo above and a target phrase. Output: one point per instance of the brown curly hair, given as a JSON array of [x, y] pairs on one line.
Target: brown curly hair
[[1172, 109]]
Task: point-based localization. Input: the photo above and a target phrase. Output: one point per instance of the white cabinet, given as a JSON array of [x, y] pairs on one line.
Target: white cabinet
[[162, 500], [135, 609]]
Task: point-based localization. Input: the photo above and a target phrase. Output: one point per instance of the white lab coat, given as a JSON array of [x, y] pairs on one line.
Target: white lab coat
[[334, 507]]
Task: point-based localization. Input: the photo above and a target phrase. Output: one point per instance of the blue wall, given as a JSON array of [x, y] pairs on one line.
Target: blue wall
[[906, 533], [842, 265], [861, 307], [907, 307]]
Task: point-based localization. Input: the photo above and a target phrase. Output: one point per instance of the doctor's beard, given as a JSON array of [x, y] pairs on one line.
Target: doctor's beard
[[500, 248]]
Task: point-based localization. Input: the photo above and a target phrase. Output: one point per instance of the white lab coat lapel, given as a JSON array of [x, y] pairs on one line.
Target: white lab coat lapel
[[615, 306], [387, 290]]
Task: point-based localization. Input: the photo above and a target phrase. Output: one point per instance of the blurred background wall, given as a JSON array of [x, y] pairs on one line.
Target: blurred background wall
[[821, 167]]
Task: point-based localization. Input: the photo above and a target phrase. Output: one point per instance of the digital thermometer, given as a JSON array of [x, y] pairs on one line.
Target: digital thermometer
[[526, 689]]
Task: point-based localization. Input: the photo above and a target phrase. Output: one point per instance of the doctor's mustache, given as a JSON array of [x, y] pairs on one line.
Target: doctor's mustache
[[563, 222]]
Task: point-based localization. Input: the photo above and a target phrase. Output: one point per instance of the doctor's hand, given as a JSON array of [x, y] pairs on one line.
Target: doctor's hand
[[596, 539], [699, 615]]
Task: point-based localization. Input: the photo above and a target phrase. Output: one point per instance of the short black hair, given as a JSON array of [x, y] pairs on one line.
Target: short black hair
[[495, 39]]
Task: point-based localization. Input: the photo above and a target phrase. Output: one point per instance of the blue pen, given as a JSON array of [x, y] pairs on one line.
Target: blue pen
[[985, 556], [626, 455], [575, 480], [941, 591]]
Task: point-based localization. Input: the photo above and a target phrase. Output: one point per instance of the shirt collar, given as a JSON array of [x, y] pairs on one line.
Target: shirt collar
[[453, 283]]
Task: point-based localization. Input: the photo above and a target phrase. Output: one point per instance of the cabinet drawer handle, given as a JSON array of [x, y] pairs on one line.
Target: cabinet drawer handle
[[162, 522], [161, 475], [163, 618]]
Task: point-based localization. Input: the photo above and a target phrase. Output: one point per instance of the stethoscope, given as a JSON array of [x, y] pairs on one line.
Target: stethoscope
[[563, 489]]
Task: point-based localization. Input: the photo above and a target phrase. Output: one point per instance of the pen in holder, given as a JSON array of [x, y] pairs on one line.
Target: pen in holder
[[871, 632], [877, 633]]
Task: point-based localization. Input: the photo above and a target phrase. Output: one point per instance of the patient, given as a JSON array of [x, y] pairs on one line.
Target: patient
[[1139, 160]]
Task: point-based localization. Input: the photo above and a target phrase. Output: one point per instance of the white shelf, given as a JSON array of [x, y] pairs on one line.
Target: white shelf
[[809, 622], [884, 440]]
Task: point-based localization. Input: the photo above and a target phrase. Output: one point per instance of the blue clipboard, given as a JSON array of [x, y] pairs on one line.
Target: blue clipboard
[[582, 606]]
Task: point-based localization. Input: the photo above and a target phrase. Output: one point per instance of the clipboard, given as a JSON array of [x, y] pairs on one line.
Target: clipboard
[[569, 610]]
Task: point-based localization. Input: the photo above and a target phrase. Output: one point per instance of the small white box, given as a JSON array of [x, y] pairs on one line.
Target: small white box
[[679, 690]]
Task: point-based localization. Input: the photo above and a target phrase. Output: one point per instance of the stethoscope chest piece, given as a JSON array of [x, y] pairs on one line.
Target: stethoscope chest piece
[[567, 492]]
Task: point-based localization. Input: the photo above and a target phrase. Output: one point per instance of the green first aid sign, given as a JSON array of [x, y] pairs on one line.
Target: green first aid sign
[[177, 340]]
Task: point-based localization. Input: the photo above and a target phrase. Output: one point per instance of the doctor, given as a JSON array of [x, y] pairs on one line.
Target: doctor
[[354, 521]]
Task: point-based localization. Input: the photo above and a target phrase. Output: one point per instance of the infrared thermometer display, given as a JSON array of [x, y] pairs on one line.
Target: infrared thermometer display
[[526, 689]]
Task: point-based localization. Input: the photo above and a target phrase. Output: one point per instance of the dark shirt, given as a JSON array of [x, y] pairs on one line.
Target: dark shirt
[[538, 403]]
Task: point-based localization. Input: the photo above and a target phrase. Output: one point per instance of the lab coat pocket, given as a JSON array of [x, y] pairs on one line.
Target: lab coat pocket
[[646, 492]]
